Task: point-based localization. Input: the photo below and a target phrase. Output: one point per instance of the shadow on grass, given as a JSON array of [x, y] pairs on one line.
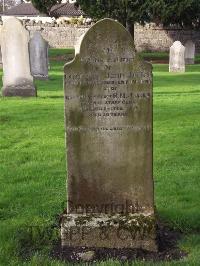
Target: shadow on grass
[[51, 97], [33, 239]]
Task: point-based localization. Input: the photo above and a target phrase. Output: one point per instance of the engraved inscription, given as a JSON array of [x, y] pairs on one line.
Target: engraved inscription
[[110, 105], [110, 79], [115, 91]]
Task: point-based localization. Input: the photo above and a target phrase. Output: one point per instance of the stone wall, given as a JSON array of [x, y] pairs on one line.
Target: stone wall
[[147, 38], [59, 36], [157, 38]]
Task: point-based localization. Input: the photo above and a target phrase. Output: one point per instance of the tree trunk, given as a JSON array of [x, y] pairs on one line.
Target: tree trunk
[[130, 27]]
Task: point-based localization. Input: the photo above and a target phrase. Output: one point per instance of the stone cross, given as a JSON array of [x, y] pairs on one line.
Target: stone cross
[[189, 52], [38, 49], [108, 111], [177, 57], [17, 79]]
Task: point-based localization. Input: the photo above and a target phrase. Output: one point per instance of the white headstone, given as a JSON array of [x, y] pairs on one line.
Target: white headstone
[[38, 49], [189, 52], [177, 57], [17, 79], [78, 44], [1, 64]]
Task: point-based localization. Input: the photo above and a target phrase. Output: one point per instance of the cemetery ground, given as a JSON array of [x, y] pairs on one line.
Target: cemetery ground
[[33, 175]]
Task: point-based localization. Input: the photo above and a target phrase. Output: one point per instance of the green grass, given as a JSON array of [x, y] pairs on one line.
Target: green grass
[[155, 55], [33, 175], [58, 52]]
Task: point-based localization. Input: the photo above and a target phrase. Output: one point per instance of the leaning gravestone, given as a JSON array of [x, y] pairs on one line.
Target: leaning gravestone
[[177, 57], [189, 52], [108, 110], [38, 49], [17, 79]]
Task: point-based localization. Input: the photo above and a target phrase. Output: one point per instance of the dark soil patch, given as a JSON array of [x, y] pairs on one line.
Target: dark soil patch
[[167, 250], [156, 60]]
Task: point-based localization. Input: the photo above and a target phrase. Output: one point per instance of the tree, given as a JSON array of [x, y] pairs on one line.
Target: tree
[[44, 6], [128, 12], [183, 13]]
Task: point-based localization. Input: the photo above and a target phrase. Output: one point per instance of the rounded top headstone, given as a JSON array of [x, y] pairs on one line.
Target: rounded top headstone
[[177, 57], [106, 28], [10, 24], [177, 45], [105, 33], [10, 21], [108, 105]]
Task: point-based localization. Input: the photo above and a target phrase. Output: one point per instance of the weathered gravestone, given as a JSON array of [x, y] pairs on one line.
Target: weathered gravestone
[[108, 110], [17, 79], [189, 52], [38, 49], [1, 63], [177, 57]]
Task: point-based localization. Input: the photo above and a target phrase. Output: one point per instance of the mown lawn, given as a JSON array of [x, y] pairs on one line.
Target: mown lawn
[[33, 172]]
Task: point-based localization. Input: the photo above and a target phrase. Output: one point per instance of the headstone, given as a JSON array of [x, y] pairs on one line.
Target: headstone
[[1, 63], [108, 110], [38, 49], [78, 44], [189, 52], [177, 57], [17, 79]]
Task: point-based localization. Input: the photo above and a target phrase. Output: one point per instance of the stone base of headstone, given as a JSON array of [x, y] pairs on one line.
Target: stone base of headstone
[[40, 77], [24, 90], [105, 231], [189, 61], [177, 70]]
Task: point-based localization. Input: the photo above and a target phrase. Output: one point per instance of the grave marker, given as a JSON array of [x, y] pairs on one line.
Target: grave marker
[[17, 79], [108, 110], [189, 52], [1, 63], [38, 49], [177, 57]]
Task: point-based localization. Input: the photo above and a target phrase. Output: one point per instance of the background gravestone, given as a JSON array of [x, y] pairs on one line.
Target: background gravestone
[[38, 49], [1, 63], [108, 110], [189, 52], [177, 57], [17, 79], [78, 44]]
